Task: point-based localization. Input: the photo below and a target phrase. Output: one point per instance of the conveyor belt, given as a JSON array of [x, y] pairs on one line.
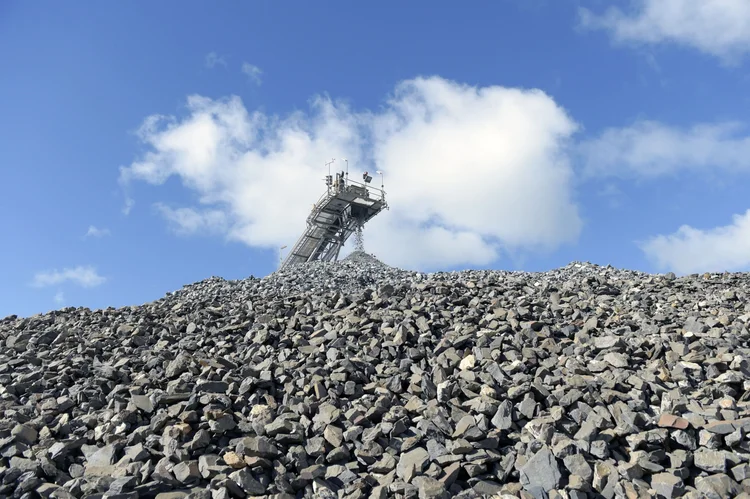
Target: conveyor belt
[[336, 216]]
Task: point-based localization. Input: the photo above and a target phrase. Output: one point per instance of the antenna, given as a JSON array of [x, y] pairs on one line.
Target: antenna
[[329, 165], [347, 167], [329, 178], [281, 260]]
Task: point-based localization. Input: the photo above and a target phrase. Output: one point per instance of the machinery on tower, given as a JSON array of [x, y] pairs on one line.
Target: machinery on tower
[[341, 211]]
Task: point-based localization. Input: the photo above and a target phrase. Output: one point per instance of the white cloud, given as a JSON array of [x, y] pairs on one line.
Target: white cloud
[[128, 207], [186, 221], [691, 250], [470, 172], [85, 276], [212, 59], [651, 149], [488, 166], [253, 72], [717, 27], [97, 232], [59, 298]]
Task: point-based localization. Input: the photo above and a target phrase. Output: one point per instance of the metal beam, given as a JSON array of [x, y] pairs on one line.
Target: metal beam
[[325, 236]]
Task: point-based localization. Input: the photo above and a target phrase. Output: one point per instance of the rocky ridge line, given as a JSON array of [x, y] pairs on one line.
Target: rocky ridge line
[[358, 380]]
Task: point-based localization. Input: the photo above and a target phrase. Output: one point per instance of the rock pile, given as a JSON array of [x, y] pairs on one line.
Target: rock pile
[[357, 380]]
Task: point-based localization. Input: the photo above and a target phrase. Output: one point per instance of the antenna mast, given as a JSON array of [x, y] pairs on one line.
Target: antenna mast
[[329, 178], [329, 165]]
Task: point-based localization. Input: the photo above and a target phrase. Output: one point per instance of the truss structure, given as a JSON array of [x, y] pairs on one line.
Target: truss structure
[[346, 206]]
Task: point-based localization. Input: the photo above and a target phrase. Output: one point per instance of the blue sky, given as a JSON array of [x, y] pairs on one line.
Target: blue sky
[[145, 146]]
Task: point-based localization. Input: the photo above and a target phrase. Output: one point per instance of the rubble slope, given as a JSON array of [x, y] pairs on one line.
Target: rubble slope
[[355, 379]]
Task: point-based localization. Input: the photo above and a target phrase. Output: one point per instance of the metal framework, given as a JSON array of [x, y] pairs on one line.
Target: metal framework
[[346, 206]]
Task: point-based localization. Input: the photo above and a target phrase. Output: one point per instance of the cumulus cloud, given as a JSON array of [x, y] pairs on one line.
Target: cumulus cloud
[[253, 72], [717, 27], [212, 59], [470, 172], [85, 276], [97, 232], [487, 165], [59, 298], [263, 172], [187, 221], [690, 250], [651, 149]]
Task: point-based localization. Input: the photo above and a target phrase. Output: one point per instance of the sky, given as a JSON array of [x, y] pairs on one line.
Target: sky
[[149, 145]]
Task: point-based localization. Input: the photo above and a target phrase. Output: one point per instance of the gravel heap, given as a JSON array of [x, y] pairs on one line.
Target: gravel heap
[[358, 380]]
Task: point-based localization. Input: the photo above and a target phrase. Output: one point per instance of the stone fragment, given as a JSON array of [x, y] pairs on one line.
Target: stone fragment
[[25, 434], [234, 460], [412, 463], [104, 456], [727, 427], [578, 465], [258, 446], [741, 472], [467, 363], [616, 360], [245, 480], [717, 486], [710, 460], [541, 471], [667, 420], [503, 417], [430, 488], [187, 472], [334, 435], [143, 403]]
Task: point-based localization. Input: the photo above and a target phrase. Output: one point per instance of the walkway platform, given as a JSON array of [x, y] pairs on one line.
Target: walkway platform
[[346, 206]]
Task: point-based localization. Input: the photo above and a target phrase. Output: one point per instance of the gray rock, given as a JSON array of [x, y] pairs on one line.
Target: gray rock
[[487, 488], [187, 472], [208, 466], [412, 463], [430, 488], [617, 360], [247, 482], [222, 424], [24, 465], [741, 472], [258, 446], [334, 435], [717, 486], [578, 465], [104, 456], [143, 403], [179, 365], [503, 417], [385, 465], [541, 471], [335, 378], [667, 485], [122, 485], [25, 434], [711, 461]]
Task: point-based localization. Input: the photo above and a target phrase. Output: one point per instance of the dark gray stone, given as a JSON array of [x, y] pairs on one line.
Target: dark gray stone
[[541, 471]]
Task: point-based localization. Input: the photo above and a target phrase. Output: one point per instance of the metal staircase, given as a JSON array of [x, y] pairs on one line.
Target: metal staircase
[[344, 208]]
